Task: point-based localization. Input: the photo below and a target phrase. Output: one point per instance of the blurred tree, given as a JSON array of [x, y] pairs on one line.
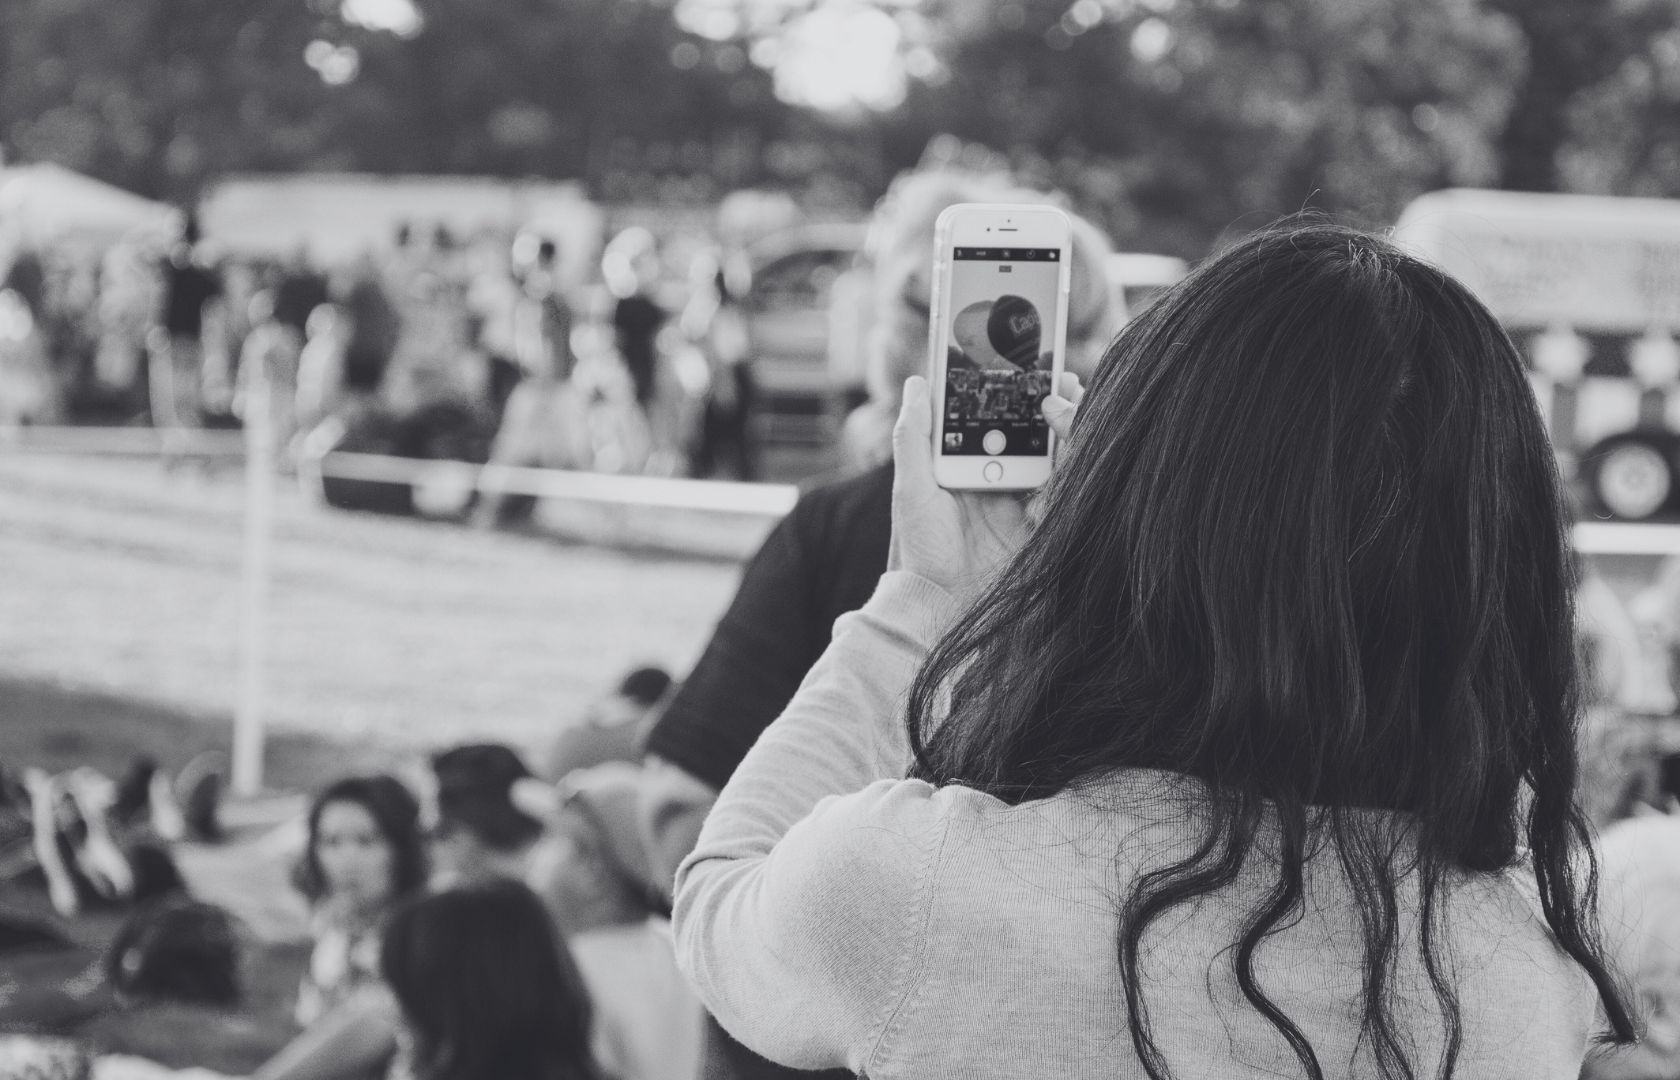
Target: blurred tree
[[162, 95], [1624, 133], [1176, 119], [551, 87], [1573, 47], [157, 94], [1173, 122]]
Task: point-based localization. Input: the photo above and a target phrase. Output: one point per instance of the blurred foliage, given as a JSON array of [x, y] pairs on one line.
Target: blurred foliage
[[1170, 120], [1174, 122], [155, 94], [162, 96]]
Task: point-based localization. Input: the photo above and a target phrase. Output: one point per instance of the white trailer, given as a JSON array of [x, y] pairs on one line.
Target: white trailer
[[1589, 286]]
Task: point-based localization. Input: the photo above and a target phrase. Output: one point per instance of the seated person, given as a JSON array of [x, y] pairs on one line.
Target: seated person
[[177, 1001], [86, 840], [479, 833], [486, 990], [1640, 890], [616, 727], [167, 989], [577, 845], [364, 854]]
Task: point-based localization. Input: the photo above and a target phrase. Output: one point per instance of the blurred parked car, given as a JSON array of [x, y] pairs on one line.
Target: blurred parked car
[[787, 321], [1138, 279]]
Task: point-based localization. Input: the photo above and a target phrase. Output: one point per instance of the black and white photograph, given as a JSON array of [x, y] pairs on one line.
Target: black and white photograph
[[777, 539]]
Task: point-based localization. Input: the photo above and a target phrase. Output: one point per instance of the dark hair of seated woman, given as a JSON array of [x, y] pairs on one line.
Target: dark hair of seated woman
[[488, 990]]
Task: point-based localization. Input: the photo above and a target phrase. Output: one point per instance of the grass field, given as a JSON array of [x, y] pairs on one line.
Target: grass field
[[119, 609]]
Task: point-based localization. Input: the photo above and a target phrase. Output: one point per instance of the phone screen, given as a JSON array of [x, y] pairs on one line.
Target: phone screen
[[999, 354]]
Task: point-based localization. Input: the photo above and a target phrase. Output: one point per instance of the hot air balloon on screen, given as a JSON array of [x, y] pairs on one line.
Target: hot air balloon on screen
[[1014, 329]]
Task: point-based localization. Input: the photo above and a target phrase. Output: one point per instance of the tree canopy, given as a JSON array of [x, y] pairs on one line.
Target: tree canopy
[[1170, 120]]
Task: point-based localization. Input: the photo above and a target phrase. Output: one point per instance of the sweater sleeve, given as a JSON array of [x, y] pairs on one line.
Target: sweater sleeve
[[798, 913]]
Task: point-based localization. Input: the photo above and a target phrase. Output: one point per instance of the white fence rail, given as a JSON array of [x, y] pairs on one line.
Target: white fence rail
[[687, 507], [651, 492], [714, 496]]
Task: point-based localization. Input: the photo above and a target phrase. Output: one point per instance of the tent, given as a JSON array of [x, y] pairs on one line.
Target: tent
[[48, 204], [337, 217]]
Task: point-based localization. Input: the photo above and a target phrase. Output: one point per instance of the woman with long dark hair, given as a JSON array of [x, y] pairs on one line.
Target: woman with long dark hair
[[487, 990], [1251, 754]]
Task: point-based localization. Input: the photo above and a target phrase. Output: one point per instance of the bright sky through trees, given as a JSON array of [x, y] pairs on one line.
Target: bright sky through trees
[[834, 55], [400, 17]]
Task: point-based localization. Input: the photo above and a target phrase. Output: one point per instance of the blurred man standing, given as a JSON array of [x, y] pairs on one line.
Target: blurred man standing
[[176, 348]]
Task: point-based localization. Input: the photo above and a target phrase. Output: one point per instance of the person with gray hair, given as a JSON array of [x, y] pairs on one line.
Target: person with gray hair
[[900, 245], [824, 558]]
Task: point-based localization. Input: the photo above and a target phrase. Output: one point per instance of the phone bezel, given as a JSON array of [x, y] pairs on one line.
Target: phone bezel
[[992, 225]]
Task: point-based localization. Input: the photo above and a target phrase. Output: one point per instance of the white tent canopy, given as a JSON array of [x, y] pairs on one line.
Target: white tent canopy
[[46, 204], [337, 217]]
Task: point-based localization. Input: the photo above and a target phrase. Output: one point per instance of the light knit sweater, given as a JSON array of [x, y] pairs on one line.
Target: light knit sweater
[[835, 914]]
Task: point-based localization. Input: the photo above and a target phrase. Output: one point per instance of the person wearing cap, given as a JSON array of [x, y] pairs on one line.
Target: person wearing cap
[[615, 728], [824, 558], [479, 831]]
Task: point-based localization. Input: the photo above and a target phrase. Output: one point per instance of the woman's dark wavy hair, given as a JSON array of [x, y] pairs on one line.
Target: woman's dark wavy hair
[[488, 989], [396, 814], [1307, 546]]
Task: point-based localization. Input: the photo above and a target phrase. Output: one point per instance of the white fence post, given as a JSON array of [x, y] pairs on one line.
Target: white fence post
[[248, 720]]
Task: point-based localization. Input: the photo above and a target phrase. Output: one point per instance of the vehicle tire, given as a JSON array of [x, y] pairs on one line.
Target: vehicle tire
[[1631, 478]]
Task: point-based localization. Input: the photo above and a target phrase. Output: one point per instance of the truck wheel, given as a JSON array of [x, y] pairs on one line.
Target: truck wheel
[[1632, 479]]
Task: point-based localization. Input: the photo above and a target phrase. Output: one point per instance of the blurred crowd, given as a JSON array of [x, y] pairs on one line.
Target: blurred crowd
[[472, 348], [464, 907]]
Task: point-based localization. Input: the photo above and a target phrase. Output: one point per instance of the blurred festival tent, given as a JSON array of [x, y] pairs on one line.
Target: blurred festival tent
[[337, 217], [43, 204]]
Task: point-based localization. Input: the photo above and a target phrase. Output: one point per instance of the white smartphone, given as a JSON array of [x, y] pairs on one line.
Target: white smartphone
[[996, 342]]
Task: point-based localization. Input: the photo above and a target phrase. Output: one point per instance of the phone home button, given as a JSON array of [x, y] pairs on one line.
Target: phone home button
[[993, 472], [994, 442]]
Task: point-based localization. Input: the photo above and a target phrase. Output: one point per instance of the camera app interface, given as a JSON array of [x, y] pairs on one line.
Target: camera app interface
[[998, 357]]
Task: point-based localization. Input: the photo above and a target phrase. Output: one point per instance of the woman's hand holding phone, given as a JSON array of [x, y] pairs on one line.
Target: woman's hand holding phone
[[956, 539], [997, 335]]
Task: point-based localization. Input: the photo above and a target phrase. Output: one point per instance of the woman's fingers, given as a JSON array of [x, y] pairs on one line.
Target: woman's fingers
[[1071, 388], [1059, 408], [913, 438], [1059, 413]]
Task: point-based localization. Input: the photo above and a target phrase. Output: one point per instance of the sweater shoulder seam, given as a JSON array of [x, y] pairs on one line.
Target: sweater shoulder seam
[[918, 919]]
